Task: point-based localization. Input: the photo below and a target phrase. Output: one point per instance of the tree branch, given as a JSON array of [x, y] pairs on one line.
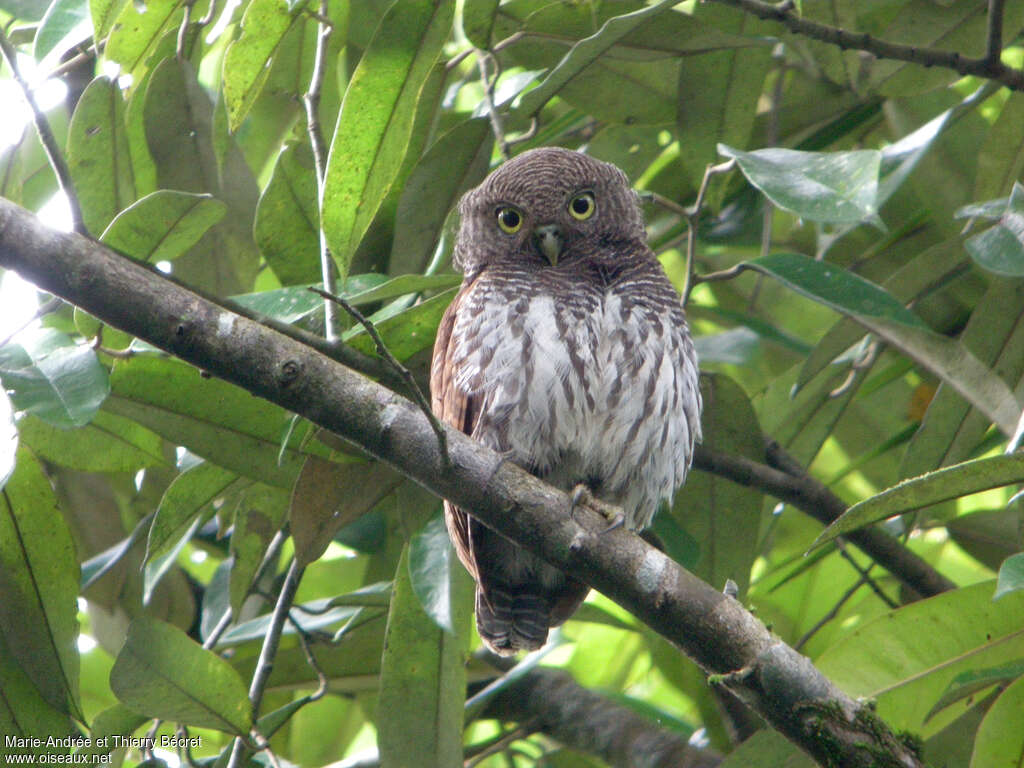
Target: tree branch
[[727, 641], [987, 66], [794, 486]]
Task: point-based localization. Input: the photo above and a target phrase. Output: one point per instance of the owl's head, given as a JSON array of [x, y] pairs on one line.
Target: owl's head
[[547, 206]]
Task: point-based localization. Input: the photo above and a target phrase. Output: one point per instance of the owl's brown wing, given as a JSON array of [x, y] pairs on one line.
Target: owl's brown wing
[[456, 409]]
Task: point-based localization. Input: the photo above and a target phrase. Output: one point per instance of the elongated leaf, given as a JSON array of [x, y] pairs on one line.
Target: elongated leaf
[[39, 583], [52, 377], [65, 25], [376, 119], [1000, 248], [117, 720], [211, 418], [137, 30], [431, 562], [721, 515], [161, 672], [585, 52], [158, 565], [8, 439], [104, 13], [287, 227], [1000, 739], [107, 444], [405, 331], [98, 155], [941, 485], [1001, 160], [24, 712], [188, 495], [247, 61], [404, 285], [329, 496], [422, 682], [260, 514], [877, 311], [819, 186], [163, 225], [1011, 576], [975, 680], [926, 645], [456, 161]]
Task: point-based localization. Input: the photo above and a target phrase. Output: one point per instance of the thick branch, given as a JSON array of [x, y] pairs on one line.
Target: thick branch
[[795, 487], [557, 705], [785, 13], [713, 629]]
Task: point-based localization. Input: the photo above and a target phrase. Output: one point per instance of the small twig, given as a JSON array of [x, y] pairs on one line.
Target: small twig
[[211, 12], [994, 38], [44, 309], [66, 66], [403, 372], [46, 137], [832, 613], [526, 135], [186, 20], [268, 652], [502, 741], [864, 361], [492, 114], [784, 14], [307, 651], [311, 101], [864, 573], [692, 214]]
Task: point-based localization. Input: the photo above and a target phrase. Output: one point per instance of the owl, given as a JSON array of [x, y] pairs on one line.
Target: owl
[[566, 349]]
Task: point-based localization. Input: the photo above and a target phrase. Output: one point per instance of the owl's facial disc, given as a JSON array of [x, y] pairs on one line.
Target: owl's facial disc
[[550, 241]]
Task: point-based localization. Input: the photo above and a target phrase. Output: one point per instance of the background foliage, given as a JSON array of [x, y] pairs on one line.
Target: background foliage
[[843, 310]]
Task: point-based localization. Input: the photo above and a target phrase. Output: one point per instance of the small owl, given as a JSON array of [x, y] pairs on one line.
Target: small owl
[[567, 350]]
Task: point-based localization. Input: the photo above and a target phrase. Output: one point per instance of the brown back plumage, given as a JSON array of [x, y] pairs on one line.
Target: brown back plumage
[[567, 349]]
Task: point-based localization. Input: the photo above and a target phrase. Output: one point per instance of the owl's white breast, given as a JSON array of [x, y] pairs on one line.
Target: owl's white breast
[[601, 389]]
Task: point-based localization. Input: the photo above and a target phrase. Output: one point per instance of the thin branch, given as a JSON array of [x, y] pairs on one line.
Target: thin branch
[[785, 14], [211, 12], [831, 614], [311, 101], [401, 370], [268, 652], [186, 21], [994, 37], [46, 137], [488, 82], [787, 481], [692, 215]]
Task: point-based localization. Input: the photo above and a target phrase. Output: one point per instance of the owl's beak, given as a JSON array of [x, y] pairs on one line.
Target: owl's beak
[[550, 241]]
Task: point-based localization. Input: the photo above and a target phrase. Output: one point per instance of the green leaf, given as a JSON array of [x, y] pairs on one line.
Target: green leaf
[[247, 61], [52, 377], [454, 163], [98, 155], [975, 680], [478, 20], [586, 52], [834, 287], [104, 13], [906, 658], [839, 187], [23, 710], [1001, 160], [422, 680], [39, 583], [108, 443], [431, 563], [1000, 248], [376, 119], [287, 227], [213, 419], [721, 515], [163, 225], [160, 672], [259, 515], [940, 485], [403, 285], [988, 535], [65, 25], [879, 312], [405, 331], [117, 720], [1000, 739], [138, 29], [329, 496], [1011, 576], [8, 439]]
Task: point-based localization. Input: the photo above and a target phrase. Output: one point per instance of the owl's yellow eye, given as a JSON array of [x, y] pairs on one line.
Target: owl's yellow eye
[[509, 219], [582, 206]]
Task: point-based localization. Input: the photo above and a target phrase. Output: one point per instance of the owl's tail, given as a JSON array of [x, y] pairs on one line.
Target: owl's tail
[[512, 621]]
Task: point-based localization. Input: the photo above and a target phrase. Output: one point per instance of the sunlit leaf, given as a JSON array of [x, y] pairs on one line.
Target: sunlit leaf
[[49, 375], [431, 562], [940, 485], [163, 225], [840, 187], [1011, 576], [1000, 248], [1000, 736]]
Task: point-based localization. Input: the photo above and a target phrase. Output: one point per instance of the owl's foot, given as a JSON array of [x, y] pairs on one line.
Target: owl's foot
[[583, 496]]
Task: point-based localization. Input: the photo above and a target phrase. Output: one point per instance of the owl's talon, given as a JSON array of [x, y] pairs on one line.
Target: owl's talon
[[582, 496]]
